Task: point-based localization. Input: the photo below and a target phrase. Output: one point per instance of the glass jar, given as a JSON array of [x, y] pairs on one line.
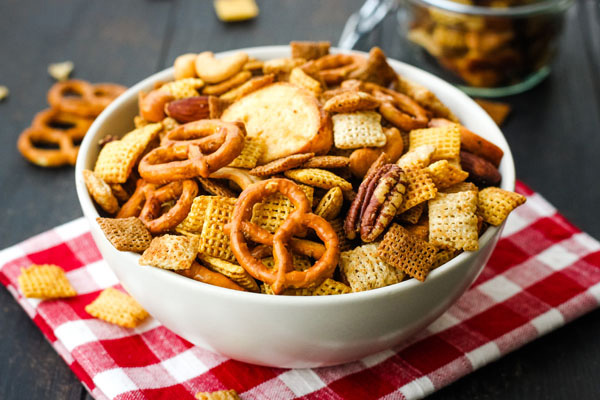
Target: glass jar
[[491, 49]]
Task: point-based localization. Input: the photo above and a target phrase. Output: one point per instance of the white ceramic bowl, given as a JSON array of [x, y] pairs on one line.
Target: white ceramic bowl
[[287, 331]]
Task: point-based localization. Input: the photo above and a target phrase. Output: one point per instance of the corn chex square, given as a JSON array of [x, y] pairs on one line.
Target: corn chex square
[[319, 178], [182, 88], [420, 188], [300, 263], [194, 221], [338, 226], [215, 242], [171, 252], [362, 269], [45, 281], [235, 272], [495, 204], [443, 174], [419, 157], [117, 158], [251, 152], [446, 140], [331, 204], [118, 308], [453, 221], [126, 234], [411, 255], [358, 129], [273, 210]]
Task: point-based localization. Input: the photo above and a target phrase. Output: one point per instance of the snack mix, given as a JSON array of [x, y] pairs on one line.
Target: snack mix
[[316, 174]]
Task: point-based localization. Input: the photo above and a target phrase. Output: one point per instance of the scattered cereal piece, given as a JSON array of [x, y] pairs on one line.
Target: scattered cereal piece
[[4, 92], [233, 271], [118, 308], [126, 234], [318, 178], [446, 140], [495, 204], [407, 252], [194, 221], [61, 71], [45, 281], [358, 129], [418, 157], [363, 270], [331, 204], [453, 222], [218, 395], [100, 192], [171, 252], [251, 152], [443, 174], [235, 10]]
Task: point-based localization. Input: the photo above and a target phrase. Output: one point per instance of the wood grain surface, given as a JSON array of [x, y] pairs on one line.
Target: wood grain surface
[[554, 133]]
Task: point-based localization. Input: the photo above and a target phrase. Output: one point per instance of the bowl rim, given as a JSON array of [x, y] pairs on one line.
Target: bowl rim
[[536, 8], [89, 209]]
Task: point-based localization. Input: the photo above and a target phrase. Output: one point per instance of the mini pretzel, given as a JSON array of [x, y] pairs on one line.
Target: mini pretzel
[[147, 200], [333, 68], [185, 155], [82, 98], [283, 275], [66, 154], [75, 127], [399, 109]]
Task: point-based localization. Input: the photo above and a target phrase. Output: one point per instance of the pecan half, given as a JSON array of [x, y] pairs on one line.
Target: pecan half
[[379, 197]]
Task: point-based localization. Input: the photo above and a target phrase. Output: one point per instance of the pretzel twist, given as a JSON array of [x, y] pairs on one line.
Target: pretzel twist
[[195, 149], [82, 98], [282, 276]]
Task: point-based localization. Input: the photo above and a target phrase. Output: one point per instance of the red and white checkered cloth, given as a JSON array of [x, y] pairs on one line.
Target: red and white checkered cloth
[[543, 273]]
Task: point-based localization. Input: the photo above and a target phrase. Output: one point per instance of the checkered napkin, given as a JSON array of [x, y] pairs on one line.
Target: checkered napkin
[[543, 273]]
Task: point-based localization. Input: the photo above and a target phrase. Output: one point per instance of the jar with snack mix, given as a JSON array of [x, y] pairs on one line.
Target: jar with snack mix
[[488, 48]]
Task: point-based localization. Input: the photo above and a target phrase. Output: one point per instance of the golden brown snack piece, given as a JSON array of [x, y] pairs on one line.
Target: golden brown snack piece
[[319, 178], [184, 158], [272, 212], [331, 204], [358, 129], [251, 152], [281, 67], [481, 172], [53, 120], [328, 287], [233, 271], [100, 192], [228, 84], [425, 98], [408, 253], [418, 157], [281, 164], [283, 276], [218, 395], [171, 252], [185, 66], [452, 221], [216, 188], [213, 70], [30, 146], [446, 141], [495, 204], [126, 234], [307, 129], [247, 88], [399, 109], [444, 175], [327, 162], [300, 78], [152, 105], [309, 50], [215, 242], [362, 269], [194, 221], [235, 10], [420, 188], [45, 281], [473, 143], [362, 159], [375, 69], [188, 109], [412, 215], [200, 273], [350, 101], [333, 68], [118, 308]]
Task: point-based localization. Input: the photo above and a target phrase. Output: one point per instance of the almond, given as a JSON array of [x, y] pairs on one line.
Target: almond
[[188, 109]]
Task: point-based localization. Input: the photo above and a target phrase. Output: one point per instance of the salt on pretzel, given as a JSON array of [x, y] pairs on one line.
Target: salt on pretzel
[[282, 276], [183, 155]]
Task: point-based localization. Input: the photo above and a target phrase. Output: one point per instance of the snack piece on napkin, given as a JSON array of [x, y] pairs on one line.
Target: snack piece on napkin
[[45, 282], [118, 308]]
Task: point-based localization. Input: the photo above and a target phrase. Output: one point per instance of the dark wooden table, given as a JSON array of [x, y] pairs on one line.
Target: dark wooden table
[[554, 133]]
